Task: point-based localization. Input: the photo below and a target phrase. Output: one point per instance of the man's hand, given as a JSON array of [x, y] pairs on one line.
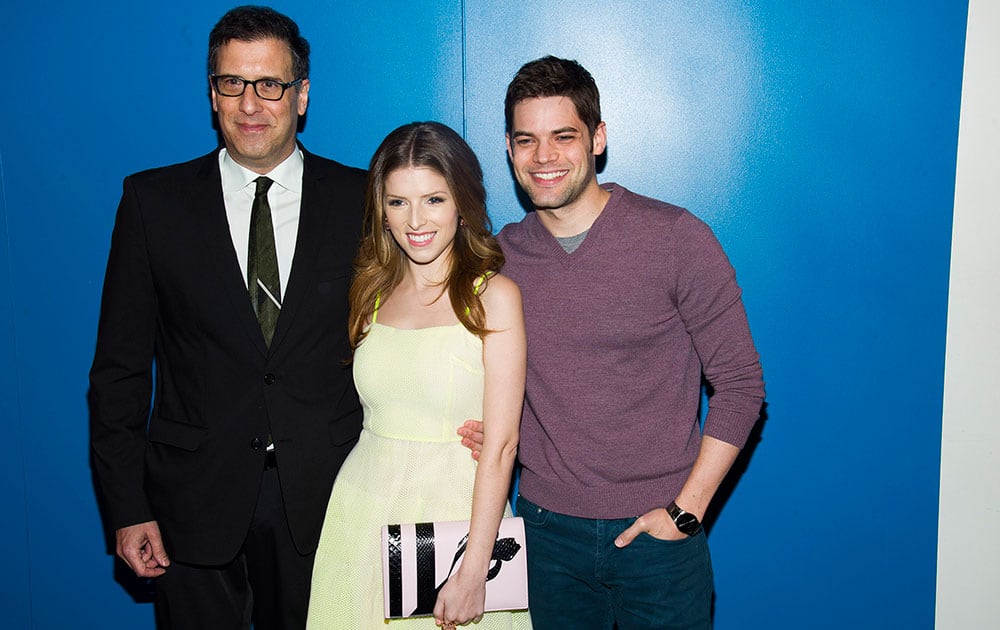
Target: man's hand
[[715, 458], [141, 547], [657, 523], [472, 436]]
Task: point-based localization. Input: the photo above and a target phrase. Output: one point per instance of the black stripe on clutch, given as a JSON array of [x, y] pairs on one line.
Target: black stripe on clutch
[[426, 591]]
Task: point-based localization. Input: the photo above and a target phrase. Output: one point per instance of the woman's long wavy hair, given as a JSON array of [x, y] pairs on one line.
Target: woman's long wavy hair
[[381, 263]]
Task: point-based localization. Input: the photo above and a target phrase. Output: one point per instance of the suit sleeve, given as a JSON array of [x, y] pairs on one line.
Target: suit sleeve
[[121, 378]]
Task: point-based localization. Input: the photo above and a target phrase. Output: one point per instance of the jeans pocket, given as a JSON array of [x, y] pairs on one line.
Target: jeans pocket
[[533, 515], [646, 537]]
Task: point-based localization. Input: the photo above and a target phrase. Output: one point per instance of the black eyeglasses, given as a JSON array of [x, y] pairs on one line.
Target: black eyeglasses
[[267, 89]]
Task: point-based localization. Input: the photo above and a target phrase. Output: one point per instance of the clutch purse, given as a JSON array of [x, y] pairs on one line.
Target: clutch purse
[[418, 558]]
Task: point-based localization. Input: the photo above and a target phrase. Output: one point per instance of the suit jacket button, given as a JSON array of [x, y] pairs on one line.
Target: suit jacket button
[[256, 443], [269, 379]]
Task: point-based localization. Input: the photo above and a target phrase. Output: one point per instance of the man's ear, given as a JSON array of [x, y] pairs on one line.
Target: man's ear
[[600, 140], [303, 96], [215, 97]]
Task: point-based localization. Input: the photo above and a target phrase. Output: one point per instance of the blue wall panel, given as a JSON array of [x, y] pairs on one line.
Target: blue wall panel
[[115, 89], [817, 140]]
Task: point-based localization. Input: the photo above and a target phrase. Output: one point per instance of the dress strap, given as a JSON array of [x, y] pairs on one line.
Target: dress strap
[[378, 300], [476, 286], [479, 282]]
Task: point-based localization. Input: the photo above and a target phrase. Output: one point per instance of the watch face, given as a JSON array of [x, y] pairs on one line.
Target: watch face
[[687, 524]]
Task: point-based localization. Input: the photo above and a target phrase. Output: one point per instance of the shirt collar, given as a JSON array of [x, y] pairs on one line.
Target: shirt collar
[[287, 174]]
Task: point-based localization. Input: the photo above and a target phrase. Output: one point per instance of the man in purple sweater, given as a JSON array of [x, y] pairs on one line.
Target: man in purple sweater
[[628, 301]]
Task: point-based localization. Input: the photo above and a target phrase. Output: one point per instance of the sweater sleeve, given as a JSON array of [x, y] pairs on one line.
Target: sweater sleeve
[[710, 304]]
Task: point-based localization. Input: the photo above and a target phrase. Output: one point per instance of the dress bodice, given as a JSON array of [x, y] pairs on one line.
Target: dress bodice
[[419, 384]]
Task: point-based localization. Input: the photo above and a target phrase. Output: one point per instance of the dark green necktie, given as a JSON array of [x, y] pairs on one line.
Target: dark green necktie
[[262, 262]]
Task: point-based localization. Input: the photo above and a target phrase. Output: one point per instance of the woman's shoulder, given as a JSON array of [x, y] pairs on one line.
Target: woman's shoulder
[[500, 285], [501, 298]]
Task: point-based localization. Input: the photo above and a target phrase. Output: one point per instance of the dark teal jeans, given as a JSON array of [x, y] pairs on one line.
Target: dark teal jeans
[[578, 579]]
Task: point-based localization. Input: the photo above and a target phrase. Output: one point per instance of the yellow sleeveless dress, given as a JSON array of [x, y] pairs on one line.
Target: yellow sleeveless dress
[[417, 387]]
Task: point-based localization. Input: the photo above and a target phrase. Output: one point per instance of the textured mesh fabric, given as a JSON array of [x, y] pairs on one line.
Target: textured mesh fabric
[[417, 387]]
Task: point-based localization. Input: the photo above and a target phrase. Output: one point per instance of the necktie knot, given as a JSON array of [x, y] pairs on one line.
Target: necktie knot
[[263, 184]]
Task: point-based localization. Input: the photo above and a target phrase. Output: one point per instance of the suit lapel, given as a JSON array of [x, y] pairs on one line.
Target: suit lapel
[[224, 270], [314, 212]]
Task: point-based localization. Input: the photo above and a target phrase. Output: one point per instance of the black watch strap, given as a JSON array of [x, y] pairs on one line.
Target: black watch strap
[[687, 523]]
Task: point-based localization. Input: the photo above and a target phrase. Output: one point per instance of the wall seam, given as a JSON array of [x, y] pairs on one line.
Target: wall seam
[[465, 75]]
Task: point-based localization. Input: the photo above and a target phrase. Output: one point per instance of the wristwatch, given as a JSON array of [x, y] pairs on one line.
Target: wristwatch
[[686, 522]]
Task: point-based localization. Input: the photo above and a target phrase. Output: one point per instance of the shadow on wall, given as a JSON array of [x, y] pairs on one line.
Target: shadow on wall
[[141, 590], [740, 466]]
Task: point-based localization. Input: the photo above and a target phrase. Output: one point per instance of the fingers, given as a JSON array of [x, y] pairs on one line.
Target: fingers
[[142, 563], [626, 537], [460, 601], [131, 556], [131, 551], [158, 553], [657, 523], [472, 437], [443, 617], [439, 612], [449, 614], [472, 426], [141, 548], [472, 430]]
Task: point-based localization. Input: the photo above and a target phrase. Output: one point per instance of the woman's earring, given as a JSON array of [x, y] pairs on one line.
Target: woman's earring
[[385, 224]]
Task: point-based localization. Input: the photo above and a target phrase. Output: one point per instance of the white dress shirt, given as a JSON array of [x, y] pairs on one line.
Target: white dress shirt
[[284, 197]]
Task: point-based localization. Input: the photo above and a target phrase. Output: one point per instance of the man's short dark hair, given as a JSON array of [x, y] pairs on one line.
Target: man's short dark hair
[[253, 23], [552, 76]]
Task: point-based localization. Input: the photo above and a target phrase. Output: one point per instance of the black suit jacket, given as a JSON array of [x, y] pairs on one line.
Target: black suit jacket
[[175, 298]]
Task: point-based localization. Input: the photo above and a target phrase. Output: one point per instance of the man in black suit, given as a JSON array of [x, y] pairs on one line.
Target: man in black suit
[[219, 490]]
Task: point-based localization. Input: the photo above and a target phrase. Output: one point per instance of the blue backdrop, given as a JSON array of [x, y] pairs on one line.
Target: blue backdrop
[[817, 140]]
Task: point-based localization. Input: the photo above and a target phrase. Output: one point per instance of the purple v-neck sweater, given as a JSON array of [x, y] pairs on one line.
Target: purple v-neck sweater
[[619, 334]]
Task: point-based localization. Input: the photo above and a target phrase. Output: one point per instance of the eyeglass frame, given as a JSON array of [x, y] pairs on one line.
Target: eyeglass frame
[[284, 86]]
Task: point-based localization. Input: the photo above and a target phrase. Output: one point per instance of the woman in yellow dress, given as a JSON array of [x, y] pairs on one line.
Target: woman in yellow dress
[[438, 337]]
